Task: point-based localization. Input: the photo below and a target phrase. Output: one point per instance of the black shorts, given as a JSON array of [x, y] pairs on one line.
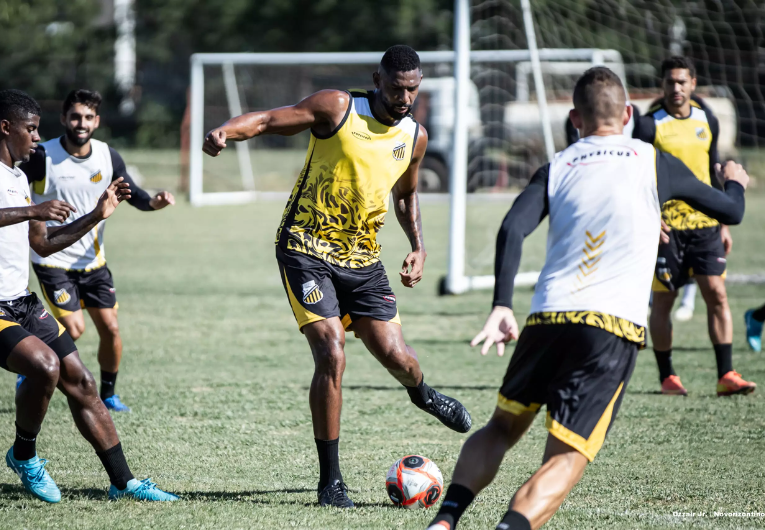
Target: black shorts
[[26, 316], [318, 290], [580, 372], [689, 253], [67, 291]]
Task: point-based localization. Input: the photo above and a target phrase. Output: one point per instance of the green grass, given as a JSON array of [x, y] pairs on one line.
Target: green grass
[[218, 377]]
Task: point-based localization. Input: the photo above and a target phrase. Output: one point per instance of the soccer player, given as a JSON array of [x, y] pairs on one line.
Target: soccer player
[[577, 352], [76, 168], [697, 244], [753, 319], [363, 146], [32, 342]]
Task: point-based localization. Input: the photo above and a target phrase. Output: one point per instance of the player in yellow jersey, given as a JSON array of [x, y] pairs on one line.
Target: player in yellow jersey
[[696, 245], [364, 145]]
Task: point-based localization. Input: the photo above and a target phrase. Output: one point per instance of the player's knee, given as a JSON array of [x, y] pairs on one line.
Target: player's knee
[[330, 359], [110, 330], [75, 331], [45, 368], [84, 383], [717, 296]]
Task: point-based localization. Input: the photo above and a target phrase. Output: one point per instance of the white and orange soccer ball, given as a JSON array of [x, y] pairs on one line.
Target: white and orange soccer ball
[[414, 482]]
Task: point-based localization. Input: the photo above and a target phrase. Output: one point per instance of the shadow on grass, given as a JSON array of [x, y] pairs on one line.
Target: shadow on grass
[[216, 496], [16, 492], [399, 388]]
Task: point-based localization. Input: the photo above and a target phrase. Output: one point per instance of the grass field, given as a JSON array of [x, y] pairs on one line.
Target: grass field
[[218, 377]]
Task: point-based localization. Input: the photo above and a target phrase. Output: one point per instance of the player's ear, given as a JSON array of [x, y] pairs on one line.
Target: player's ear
[[576, 119], [627, 114], [376, 79], [97, 121], [693, 84], [62, 119], [5, 127]]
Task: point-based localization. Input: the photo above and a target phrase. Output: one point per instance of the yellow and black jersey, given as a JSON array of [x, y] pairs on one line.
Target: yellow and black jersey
[[341, 197], [693, 140]]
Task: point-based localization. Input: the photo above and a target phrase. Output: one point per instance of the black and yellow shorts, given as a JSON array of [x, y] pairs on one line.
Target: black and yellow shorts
[[688, 253], [67, 291], [318, 290], [26, 317], [578, 371]]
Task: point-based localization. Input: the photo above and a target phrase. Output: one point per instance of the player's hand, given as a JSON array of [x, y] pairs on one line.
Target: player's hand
[[117, 192], [162, 199], [727, 239], [52, 211], [500, 328], [665, 230], [732, 171], [411, 270], [215, 142]]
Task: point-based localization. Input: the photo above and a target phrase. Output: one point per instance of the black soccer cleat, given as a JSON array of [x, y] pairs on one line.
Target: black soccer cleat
[[335, 494], [448, 411]]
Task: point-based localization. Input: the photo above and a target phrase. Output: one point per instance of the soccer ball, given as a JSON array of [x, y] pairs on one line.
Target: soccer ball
[[414, 482]]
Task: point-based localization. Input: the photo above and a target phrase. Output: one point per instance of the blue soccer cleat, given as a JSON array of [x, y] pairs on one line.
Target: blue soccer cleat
[[36, 480], [141, 490], [19, 379], [114, 403], [753, 331]]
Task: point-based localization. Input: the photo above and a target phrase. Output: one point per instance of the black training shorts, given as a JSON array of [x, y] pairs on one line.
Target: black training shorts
[[579, 372], [67, 291], [689, 253], [26, 316], [318, 290]]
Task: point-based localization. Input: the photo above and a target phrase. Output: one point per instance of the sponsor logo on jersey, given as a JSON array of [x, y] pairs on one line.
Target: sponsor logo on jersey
[[311, 293], [399, 151], [13, 191], [389, 298], [722, 260], [701, 133], [96, 177], [61, 296], [43, 315], [112, 290], [361, 135]]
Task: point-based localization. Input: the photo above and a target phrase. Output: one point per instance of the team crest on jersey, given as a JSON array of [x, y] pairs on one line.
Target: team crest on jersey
[[701, 133], [311, 293], [61, 296], [399, 151], [2, 313], [96, 177]]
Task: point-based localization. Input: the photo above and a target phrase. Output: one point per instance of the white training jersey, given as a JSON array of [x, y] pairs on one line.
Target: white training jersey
[[604, 229], [14, 239], [80, 182]]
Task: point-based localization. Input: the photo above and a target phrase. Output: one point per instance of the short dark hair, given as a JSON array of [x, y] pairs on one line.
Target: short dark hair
[[17, 105], [675, 62], [90, 99], [400, 58], [599, 94]]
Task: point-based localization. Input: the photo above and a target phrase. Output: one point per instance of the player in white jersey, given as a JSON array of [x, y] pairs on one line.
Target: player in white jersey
[[32, 342], [76, 168], [576, 354]]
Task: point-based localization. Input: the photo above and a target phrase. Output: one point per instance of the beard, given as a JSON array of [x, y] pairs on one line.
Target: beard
[[393, 113], [76, 140]]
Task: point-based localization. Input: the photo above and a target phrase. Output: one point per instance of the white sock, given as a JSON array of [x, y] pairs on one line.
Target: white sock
[[689, 295]]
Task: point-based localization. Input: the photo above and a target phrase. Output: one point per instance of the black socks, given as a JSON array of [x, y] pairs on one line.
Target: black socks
[[724, 356], [759, 314], [514, 521], [24, 446], [664, 360], [116, 466], [456, 501], [329, 461], [108, 382], [419, 394]]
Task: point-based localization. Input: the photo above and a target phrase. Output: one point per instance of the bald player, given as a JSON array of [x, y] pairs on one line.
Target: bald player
[[577, 352]]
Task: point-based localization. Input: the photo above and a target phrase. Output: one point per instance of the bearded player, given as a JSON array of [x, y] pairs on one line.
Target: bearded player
[[32, 342], [76, 168], [364, 145]]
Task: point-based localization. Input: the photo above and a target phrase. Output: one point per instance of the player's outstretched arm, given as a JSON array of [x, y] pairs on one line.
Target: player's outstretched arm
[[46, 211], [322, 111], [407, 206], [46, 241], [139, 198], [528, 211]]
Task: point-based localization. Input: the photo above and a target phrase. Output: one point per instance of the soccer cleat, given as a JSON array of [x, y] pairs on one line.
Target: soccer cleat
[[19, 379], [114, 403], [440, 526], [34, 477], [671, 386], [732, 383], [684, 313], [141, 490], [448, 411], [753, 331], [335, 494]]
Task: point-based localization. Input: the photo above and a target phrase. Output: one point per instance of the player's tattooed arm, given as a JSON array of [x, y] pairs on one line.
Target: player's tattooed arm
[[322, 112], [46, 211], [407, 206], [48, 240]]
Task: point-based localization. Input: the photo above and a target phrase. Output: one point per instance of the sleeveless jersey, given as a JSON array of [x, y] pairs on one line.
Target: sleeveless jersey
[[603, 237], [80, 182], [14, 239], [340, 200]]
